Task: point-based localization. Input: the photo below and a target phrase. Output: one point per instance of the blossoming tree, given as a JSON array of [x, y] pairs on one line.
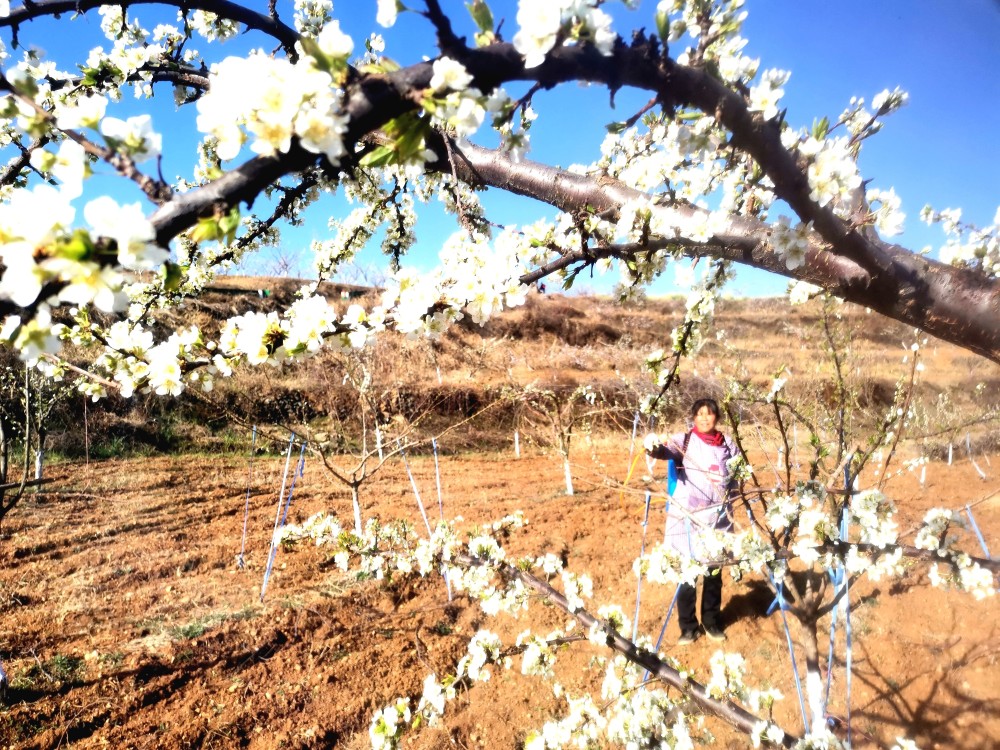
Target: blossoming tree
[[709, 167]]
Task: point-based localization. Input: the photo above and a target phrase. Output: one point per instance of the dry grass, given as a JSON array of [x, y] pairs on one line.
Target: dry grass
[[555, 341]]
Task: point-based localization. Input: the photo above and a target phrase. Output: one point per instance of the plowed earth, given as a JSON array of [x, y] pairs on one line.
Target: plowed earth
[[126, 622]]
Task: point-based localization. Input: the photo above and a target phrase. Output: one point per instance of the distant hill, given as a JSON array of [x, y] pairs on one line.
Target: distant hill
[[552, 341]]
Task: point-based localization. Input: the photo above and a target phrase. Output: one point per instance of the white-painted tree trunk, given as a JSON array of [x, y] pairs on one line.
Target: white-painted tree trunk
[[814, 698], [569, 476], [517, 444]]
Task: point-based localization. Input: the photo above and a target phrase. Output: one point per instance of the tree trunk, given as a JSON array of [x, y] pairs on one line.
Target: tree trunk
[[4, 449], [40, 453], [569, 475], [815, 702], [356, 502]]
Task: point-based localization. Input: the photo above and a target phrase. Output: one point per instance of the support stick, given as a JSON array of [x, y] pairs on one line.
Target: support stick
[[631, 445], [277, 514], [979, 534], [968, 449], [437, 481], [284, 515], [240, 562], [638, 585], [416, 492]]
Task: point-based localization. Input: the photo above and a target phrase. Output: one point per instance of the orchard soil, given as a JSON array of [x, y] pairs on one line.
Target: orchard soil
[[125, 621]]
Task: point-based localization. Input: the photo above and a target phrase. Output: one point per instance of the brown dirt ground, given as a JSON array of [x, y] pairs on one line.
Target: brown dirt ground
[[124, 621]]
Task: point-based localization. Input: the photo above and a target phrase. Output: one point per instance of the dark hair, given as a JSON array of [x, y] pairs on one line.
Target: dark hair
[[708, 403]]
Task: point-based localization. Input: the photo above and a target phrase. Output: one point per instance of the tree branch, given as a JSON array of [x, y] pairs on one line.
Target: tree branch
[[955, 304], [729, 712], [286, 35]]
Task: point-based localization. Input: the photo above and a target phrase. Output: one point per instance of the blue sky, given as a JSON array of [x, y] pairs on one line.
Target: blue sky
[[941, 149]]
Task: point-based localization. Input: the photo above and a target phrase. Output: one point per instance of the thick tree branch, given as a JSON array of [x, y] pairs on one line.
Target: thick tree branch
[[286, 35], [954, 304], [951, 303]]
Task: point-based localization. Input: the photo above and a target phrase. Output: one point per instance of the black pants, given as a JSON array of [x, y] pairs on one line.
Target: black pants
[[711, 602]]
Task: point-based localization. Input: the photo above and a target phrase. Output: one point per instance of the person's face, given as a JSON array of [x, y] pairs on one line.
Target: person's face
[[705, 420]]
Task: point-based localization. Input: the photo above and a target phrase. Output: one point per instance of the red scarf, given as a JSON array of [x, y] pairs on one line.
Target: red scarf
[[714, 437]]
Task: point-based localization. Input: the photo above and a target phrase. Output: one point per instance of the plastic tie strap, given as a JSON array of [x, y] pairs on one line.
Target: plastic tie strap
[[979, 534], [791, 649], [663, 630]]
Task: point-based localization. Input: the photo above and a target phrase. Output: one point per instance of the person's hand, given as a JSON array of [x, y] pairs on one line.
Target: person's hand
[[652, 441]]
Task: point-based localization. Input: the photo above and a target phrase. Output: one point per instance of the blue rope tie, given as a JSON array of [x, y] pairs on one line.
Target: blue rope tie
[[849, 634], [791, 650], [979, 534], [838, 577], [829, 656], [240, 562], [638, 586], [663, 630]]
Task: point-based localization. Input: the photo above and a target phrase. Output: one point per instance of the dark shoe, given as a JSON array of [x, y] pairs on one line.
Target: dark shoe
[[715, 634], [687, 637]]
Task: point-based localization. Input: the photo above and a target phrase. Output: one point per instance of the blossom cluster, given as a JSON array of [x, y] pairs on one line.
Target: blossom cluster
[[40, 248], [791, 243], [541, 26], [967, 245], [832, 172], [287, 101]]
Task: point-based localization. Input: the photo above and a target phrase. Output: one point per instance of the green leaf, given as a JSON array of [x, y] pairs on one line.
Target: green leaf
[[323, 61], [172, 275], [228, 225], [481, 14], [820, 128], [78, 247], [384, 65], [378, 157], [663, 24], [206, 230], [615, 127]]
